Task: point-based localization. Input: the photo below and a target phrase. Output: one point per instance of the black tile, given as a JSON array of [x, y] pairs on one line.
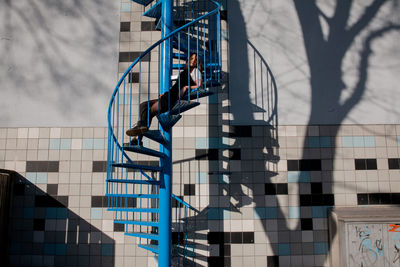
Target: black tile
[[189, 190], [215, 237], [374, 199], [38, 224], [42, 166], [273, 261], [240, 131], [362, 199], [127, 202], [207, 154], [123, 56], [293, 165], [97, 201], [317, 200], [316, 188], [63, 200], [215, 261], [248, 237], [385, 198], [19, 189], [178, 237], [125, 27], [236, 237], [134, 55], [234, 154], [371, 164], [99, 166], [270, 189], [148, 26], [328, 200], [306, 224], [47, 201], [305, 200], [224, 14], [119, 227], [175, 203], [394, 164], [360, 164], [133, 77], [227, 261], [227, 238], [395, 197], [52, 189], [153, 163], [310, 165], [281, 189]]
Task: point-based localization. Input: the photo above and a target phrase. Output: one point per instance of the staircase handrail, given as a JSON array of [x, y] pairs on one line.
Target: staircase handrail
[[110, 128]]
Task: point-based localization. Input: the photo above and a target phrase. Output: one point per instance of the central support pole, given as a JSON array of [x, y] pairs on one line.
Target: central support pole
[[164, 230]]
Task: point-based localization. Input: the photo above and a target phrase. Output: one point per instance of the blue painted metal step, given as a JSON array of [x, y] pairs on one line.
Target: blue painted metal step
[[153, 224], [144, 150], [152, 248], [134, 210], [182, 106], [133, 195], [156, 136], [154, 11], [167, 120], [143, 235], [182, 56], [137, 167], [126, 181], [143, 2]]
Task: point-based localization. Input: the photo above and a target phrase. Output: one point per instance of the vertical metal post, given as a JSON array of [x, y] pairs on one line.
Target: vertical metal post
[[164, 230]]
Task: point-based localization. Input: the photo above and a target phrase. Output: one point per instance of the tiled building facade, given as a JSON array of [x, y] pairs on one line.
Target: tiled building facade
[[263, 192]]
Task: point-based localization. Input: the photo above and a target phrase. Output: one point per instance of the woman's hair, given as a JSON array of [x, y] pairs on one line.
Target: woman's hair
[[198, 62]]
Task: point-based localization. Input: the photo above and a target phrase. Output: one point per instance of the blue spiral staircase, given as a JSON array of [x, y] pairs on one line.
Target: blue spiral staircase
[[140, 194]]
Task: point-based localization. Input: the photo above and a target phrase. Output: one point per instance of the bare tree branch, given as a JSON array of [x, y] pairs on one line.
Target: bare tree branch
[[366, 18], [363, 67]]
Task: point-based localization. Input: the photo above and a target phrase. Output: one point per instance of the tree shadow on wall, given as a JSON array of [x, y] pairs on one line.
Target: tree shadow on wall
[[44, 232], [288, 209]]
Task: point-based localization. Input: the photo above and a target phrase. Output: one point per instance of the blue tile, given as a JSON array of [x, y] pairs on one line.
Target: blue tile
[[321, 248], [325, 141], [62, 213], [259, 213], [65, 143], [284, 249], [61, 249], [98, 143], [126, 7], [54, 143], [41, 178], [201, 143], [107, 250], [201, 178], [369, 141], [49, 249], [271, 213], [347, 141], [313, 141], [299, 177], [319, 212], [226, 214], [358, 141], [398, 140], [51, 213], [31, 177], [294, 212], [213, 214], [29, 213], [87, 143], [96, 213]]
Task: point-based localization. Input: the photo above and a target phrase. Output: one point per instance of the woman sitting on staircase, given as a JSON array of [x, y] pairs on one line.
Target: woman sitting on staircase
[[160, 105]]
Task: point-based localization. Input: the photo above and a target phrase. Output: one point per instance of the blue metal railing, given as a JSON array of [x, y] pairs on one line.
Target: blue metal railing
[[133, 189]]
